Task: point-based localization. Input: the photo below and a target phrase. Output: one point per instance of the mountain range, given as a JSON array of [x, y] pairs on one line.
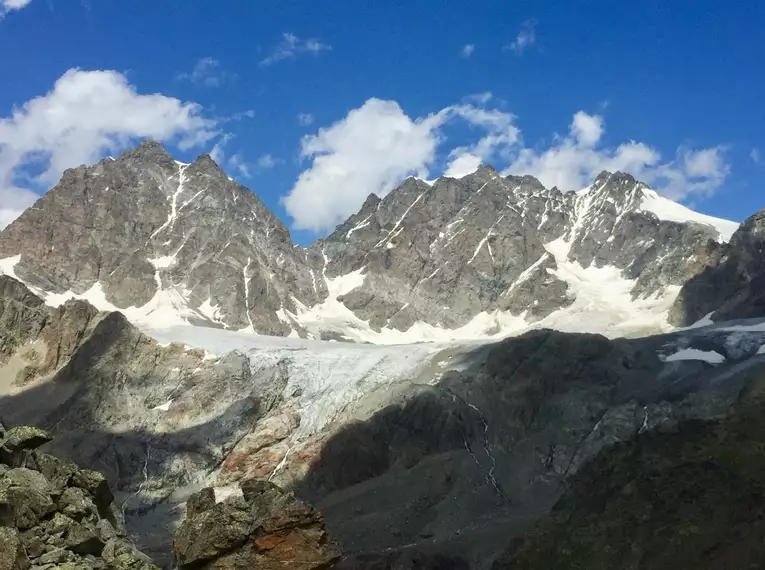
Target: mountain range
[[484, 255], [158, 321]]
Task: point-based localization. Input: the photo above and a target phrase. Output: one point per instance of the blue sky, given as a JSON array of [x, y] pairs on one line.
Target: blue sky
[[680, 85]]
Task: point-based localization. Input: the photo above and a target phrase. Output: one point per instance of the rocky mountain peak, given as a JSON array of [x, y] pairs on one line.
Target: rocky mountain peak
[[183, 243], [148, 152]]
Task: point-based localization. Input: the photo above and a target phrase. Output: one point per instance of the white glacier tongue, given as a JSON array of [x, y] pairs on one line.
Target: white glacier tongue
[[324, 377]]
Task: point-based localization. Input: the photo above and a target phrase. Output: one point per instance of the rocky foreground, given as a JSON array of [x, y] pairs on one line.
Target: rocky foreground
[[56, 516]]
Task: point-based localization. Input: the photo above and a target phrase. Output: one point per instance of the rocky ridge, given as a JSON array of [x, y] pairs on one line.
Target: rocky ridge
[[173, 243], [55, 515], [732, 283], [442, 253]]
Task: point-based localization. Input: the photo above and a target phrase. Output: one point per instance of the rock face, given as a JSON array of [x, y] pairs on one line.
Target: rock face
[[442, 253], [145, 223], [418, 456], [54, 514], [174, 243], [732, 285], [460, 467], [264, 528], [683, 498]]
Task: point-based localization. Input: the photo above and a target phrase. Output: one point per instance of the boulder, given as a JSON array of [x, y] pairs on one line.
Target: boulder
[[266, 528], [18, 438], [13, 556], [55, 516]]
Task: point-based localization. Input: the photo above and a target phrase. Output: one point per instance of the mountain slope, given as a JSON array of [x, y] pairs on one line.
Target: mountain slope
[[732, 285], [169, 243], [486, 254], [687, 498], [406, 449], [174, 242]]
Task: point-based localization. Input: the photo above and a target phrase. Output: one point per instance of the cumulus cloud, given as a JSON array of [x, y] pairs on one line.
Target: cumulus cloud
[[86, 115], [305, 119], [501, 135], [291, 46], [756, 156], [11, 5], [572, 162], [526, 38], [208, 72], [467, 50], [370, 150], [378, 145]]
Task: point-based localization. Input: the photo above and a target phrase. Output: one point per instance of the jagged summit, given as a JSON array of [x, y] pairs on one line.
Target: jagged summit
[[451, 258]]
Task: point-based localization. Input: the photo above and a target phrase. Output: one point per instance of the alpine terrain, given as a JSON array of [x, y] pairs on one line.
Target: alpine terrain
[[170, 243], [529, 378]]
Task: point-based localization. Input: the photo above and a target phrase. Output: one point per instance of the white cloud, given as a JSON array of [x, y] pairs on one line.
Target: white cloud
[[573, 162], [11, 5], [501, 135], [86, 115], [480, 98], [208, 72], [756, 156], [377, 145], [266, 161], [370, 150], [587, 129], [526, 38], [467, 50], [305, 119], [237, 165], [291, 46], [217, 153]]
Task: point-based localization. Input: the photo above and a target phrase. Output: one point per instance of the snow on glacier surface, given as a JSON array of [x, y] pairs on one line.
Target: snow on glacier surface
[[324, 377], [711, 356], [666, 209], [603, 304]]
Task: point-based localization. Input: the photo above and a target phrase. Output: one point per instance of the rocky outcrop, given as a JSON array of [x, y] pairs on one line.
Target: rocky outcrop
[[36, 340], [688, 497], [732, 283], [54, 514], [264, 528]]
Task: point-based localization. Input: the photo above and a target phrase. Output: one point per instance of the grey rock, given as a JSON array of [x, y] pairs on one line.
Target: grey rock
[[57, 556], [266, 528], [145, 206], [83, 539], [77, 504], [21, 438], [120, 553], [439, 254], [12, 553], [105, 531], [731, 283], [199, 502]]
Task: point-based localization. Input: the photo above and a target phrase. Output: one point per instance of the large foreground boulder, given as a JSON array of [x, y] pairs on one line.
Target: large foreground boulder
[[55, 515], [264, 528]]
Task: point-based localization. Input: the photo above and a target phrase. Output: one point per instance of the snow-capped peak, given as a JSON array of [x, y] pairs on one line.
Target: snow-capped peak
[[628, 194]]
